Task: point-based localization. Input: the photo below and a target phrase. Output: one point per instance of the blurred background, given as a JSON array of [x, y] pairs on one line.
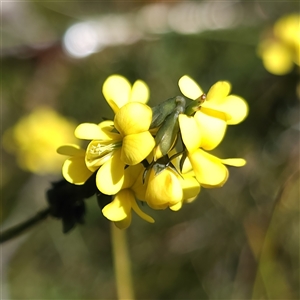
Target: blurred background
[[237, 242]]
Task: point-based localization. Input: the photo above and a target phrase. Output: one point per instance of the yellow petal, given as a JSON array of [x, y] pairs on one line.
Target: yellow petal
[[75, 171], [157, 153], [139, 212], [218, 92], [120, 208], [212, 109], [163, 189], [136, 147], [236, 108], [208, 169], [116, 90], [110, 176], [190, 200], [107, 127], [139, 188], [288, 30], [124, 223], [232, 109], [190, 187], [89, 131], [131, 174], [189, 87], [187, 166], [176, 207], [71, 150], [190, 132], [235, 162], [212, 130], [133, 117], [140, 92], [277, 57]]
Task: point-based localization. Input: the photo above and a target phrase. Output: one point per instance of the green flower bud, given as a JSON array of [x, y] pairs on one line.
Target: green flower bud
[[163, 110], [167, 134]]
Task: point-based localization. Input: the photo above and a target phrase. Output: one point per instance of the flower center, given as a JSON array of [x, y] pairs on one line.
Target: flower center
[[99, 152], [101, 148]]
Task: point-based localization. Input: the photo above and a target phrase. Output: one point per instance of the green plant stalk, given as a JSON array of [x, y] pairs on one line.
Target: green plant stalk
[[122, 263]]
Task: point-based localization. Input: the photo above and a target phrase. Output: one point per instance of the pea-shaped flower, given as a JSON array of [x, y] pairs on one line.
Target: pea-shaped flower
[[218, 102], [167, 187], [218, 109], [126, 141], [280, 52]]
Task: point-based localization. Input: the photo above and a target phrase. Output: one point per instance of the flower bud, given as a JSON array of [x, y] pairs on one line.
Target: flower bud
[[167, 134], [163, 110], [163, 189]]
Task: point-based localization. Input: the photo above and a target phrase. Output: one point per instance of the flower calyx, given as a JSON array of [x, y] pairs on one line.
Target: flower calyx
[[167, 134], [195, 105], [160, 165]]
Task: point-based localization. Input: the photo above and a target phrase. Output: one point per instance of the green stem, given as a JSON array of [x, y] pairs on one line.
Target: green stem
[[122, 263], [20, 228]]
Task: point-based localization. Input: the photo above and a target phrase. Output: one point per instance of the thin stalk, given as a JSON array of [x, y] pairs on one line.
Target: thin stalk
[[122, 263], [20, 228]]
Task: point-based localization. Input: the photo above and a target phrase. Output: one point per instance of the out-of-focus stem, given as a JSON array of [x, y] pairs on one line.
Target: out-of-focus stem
[[122, 264], [22, 227]]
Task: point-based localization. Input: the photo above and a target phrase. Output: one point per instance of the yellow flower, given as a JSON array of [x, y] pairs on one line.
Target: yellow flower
[[119, 210], [167, 188], [118, 91], [208, 125], [119, 150], [280, 52], [206, 129], [35, 137], [126, 141], [218, 103], [210, 171]]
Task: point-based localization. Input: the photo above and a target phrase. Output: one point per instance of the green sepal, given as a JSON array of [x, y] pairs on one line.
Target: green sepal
[[194, 105], [168, 132], [182, 159], [163, 163], [161, 111]]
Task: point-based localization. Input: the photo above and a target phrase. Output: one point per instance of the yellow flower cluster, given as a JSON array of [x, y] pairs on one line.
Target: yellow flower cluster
[[281, 50], [156, 155]]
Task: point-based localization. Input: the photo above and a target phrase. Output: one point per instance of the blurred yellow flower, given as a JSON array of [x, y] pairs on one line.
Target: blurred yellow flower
[[281, 51], [35, 138]]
